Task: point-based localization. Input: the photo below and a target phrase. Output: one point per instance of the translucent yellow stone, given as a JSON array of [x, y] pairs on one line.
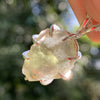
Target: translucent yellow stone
[[48, 60]]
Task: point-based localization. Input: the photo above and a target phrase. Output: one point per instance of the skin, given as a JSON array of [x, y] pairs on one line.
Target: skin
[[92, 7]]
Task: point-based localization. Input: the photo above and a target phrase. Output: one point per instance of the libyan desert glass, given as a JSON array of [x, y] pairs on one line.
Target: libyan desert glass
[[50, 57]]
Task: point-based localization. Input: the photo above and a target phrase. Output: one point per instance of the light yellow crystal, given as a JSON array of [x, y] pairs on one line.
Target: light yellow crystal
[[48, 59]]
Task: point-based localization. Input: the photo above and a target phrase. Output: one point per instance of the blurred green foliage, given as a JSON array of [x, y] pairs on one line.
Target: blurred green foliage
[[19, 20]]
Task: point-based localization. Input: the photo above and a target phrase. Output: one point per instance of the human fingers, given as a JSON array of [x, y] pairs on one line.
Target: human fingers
[[80, 10]]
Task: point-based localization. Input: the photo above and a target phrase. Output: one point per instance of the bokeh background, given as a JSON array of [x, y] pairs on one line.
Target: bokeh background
[[19, 20]]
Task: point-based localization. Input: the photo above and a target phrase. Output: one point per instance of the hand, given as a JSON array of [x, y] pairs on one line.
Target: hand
[[92, 7]]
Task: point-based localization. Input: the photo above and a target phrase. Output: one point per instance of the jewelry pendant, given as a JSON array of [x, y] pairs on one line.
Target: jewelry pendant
[[54, 53]]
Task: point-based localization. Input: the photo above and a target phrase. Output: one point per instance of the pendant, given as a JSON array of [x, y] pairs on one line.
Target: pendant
[[54, 53]]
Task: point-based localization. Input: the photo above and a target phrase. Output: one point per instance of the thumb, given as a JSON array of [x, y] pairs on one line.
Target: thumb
[[80, 7]]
